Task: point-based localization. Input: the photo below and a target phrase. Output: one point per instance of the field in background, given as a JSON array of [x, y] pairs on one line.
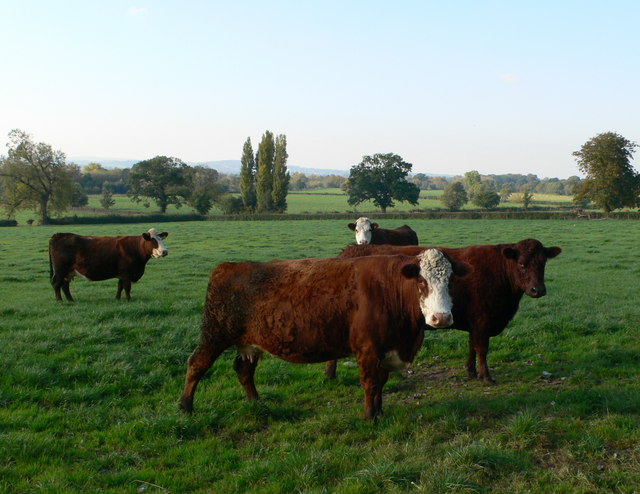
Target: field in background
[[313, 201], [88, 391]]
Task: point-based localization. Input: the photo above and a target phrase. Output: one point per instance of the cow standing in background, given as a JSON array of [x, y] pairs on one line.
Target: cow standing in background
[[102, 258], [485, 301], [370, 233], [312, 310]]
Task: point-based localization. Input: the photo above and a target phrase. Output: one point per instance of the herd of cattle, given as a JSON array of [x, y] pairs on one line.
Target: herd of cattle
[[373, 301]]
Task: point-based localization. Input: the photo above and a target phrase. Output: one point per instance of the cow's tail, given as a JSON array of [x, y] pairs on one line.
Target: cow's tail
[[53, 242], [50, 263]]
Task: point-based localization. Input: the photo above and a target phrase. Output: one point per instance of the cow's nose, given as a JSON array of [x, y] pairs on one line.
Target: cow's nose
[[441, 320], [538, 291], [165, 252]]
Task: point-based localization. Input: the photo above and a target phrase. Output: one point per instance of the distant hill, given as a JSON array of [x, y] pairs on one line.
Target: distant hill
[[223, 166]]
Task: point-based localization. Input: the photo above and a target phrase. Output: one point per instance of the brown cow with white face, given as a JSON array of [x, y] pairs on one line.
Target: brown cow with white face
[[102, 258], [485, 301], [313, 310]]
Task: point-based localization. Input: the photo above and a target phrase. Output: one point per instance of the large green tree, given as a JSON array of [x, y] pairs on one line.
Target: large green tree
[[482, 196], [248, 176], [204, 189], [34, 176], [162, 179], [264, 177], [610, 180], [454, 196], [381, 178], [281, 176]]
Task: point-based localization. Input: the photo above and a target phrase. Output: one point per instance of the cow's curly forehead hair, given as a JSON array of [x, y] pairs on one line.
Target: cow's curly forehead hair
[[434, 266]]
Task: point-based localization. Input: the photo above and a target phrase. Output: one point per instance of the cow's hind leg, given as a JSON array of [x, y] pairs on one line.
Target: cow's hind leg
[[66, 290], [119, 293], [56, 289], [330, 369], [245, 367], [198, 364], [60, 285]]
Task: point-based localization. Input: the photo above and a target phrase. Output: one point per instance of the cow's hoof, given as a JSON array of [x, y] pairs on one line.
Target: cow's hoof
[[488, 381], [185, 406]]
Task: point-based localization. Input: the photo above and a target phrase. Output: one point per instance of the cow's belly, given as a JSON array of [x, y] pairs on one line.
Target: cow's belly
[[393, 362], [251, 352], [95, 273], [299, 345]]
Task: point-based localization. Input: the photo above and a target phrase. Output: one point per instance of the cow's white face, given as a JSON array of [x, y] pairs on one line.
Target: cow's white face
[[160, 250], [435, 300], [363, 231]]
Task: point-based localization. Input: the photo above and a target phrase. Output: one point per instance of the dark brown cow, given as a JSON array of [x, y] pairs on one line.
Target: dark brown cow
[[312, 310], [102, 258], [485, 301], [370, 233]]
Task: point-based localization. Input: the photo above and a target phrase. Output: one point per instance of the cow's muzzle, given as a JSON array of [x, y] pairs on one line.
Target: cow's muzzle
[[440, 320], [537, 291]]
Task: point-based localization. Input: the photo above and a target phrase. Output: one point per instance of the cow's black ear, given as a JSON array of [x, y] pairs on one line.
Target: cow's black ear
[[146, 236], [510, 253], [552, 252], [163, 235], [374, 225], [352, 226], [410, 270], [460, 268]]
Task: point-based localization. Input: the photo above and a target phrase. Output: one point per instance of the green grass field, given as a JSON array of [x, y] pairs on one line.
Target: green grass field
[[89, 390], [312, 201]]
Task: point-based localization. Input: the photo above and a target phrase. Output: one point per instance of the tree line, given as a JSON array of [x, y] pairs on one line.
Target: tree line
[[34, 176], [610, 183]]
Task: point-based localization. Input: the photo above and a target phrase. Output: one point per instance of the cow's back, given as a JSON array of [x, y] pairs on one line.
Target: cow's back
[[305, 310], [403, 235], [98, 258]]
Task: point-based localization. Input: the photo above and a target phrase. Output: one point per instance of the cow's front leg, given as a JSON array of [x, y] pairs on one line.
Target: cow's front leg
[[372, 378], [127, 289], [481, 347], [470, 365], [126, 286]]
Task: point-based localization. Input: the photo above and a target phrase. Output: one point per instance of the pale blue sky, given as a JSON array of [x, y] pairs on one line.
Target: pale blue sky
[[451, 86]]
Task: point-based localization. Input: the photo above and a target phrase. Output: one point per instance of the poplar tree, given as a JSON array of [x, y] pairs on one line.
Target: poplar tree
[[248, 176], [281, 176], [264, 177], [107, 199]]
